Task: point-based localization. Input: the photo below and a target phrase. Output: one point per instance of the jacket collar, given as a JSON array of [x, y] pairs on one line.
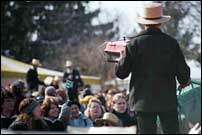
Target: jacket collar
[[150, 31], [147, 31], [48, 119]]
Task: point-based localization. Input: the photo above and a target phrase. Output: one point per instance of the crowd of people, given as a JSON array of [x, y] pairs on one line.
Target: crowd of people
[[50, 108], [154, 60], [53, 104]]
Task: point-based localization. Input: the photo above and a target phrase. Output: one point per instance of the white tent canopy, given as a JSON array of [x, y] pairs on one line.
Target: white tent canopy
[[11, 68], [16, 67]]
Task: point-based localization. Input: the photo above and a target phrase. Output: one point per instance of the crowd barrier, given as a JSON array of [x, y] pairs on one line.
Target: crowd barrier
[[75, 130]]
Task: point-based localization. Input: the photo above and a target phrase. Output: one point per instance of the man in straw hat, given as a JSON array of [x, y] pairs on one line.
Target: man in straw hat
[[32, 76], [154, 60], [73, 76]]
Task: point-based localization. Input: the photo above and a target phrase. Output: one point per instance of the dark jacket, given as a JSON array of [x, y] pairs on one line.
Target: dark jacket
[[125, 118], [75, 78], [55, 125], [33, 80], [154, 59], [6, 122], [37, 124]]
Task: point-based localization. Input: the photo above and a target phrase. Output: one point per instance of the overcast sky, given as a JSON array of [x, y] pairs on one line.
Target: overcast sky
[[127, 12]]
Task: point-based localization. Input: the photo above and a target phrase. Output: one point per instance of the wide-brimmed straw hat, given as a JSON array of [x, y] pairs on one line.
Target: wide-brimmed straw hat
[[153, 14], [36, 62], [108, 117], [68, 63], [48, 80]]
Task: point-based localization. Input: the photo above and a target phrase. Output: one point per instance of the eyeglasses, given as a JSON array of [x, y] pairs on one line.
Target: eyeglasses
[[94, 107]]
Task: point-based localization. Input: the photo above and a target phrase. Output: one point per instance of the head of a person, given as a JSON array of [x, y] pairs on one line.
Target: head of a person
[[119, 103], [50, 91], [18, 88], [36, 63], [74, 108], [111, 92], [109, 95], [56, 80], [7, 103], [101, 97], [152, 15], [50, 108], [62, 93], [48, 81], [87, 91], [108, 119], [94, 109], [69, 66], [31, 107]]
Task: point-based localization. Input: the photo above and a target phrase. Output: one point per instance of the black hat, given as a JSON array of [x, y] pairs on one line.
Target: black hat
[[19, 84], [70, 103], [18, 87]]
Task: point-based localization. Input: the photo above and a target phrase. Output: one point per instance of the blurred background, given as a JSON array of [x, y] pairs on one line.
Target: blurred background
[[73, 30]]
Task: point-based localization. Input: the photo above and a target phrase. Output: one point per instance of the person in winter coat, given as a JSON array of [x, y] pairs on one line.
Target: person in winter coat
[[77, 118], [122, 111], [50, 114], [32, 77], [30, 117], [154, 60], [95, 110], [8, 114], [72, 75]]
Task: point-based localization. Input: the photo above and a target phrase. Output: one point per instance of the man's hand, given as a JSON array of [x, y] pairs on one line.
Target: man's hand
[[186, 84]]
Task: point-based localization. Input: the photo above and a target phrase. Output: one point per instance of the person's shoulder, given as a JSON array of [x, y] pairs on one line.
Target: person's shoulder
[[169, 36], [171, 40], [75, 71], [83, 116], [30, 70], [136, 35], [134, 38], [18, 125], [48, 120]]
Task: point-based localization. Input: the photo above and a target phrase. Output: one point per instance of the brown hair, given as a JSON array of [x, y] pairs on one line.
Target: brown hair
[[46, 105], [25, 103], [62, 93], [6, 94], [24, 117]]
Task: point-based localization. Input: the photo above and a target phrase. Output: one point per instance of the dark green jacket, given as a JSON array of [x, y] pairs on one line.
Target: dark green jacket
[[155, 61]]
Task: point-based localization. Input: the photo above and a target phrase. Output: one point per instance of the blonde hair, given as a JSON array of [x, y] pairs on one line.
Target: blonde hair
[[118, 96], [95, 100]]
